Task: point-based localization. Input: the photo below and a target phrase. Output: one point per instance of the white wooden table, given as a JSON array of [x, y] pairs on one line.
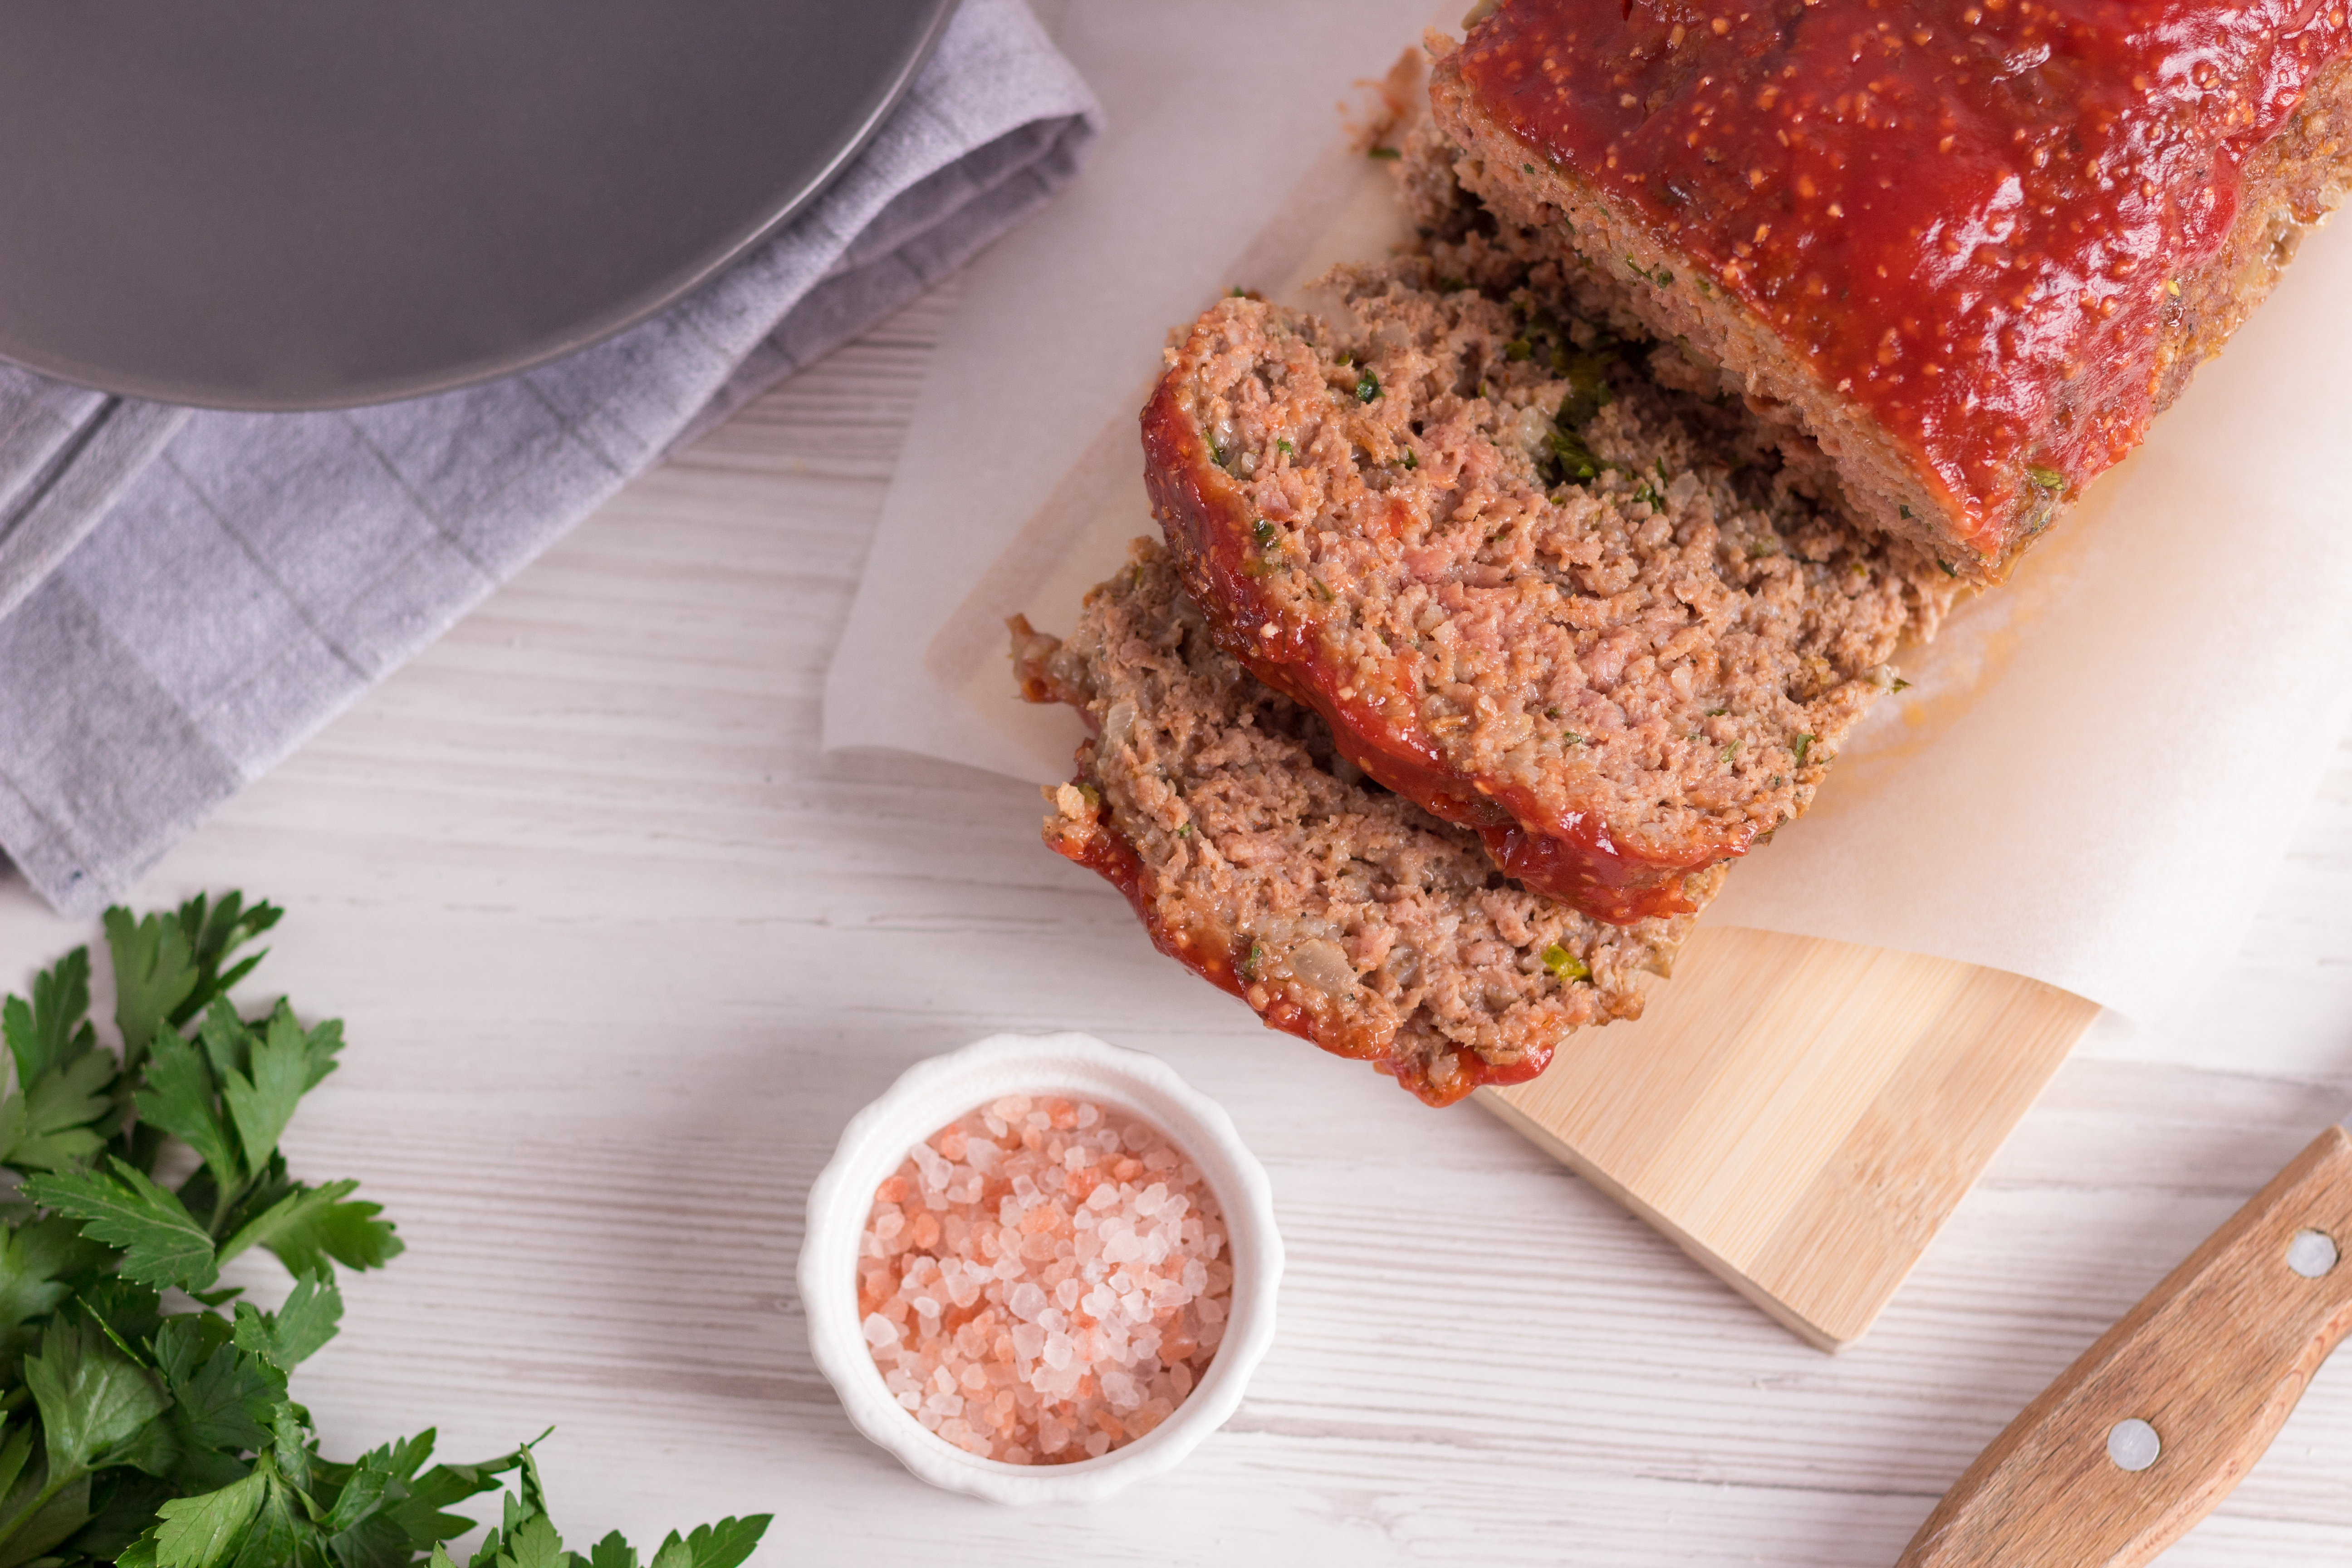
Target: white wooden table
[[619, 952]]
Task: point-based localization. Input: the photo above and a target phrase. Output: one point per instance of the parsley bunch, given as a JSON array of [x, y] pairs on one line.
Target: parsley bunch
[[144, 1417]]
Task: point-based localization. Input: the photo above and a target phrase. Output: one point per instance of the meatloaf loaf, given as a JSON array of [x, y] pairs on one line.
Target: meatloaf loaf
[[1260, 859], [1971, 247], [1527, 583]]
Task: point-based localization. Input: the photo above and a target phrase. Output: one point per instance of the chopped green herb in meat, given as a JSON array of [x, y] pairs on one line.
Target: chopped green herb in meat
[[1565, 964]]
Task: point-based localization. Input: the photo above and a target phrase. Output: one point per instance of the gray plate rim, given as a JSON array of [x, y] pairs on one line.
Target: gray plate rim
[[588, 332]]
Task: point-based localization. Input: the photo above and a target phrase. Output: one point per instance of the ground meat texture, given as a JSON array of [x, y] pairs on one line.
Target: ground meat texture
[[1260, 859], [1972, 249], [1527, 581]]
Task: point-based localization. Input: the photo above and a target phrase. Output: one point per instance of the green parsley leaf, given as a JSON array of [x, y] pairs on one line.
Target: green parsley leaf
[[154, 973], [534, 1544], [52, 1123], [421, 1515], [55, 1029], [180, 1098], [163, 1244], [205, 1531], [1368, 386], [296, 1332], [1804, 749], [722, 1545], [1386, 155], [2048, 478], [261, 1101], [310, 1225], [614, 1553], [91, 1397], [38, 1525], [215, 933], [38, 1261], [13, 1455], [220, 1396], [369, 1485]]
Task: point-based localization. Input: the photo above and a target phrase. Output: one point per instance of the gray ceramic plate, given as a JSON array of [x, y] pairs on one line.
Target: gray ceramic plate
[[307, 203]]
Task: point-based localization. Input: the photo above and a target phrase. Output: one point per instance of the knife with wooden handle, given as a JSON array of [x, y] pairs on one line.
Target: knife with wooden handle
[[2154, 1424]]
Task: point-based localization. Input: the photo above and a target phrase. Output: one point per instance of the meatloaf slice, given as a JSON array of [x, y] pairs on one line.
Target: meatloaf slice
[[1259, 859], [1972, 249], [1526, 583]]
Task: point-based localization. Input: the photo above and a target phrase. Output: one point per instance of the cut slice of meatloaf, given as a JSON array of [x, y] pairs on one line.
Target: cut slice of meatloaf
[[1259, 859], [1526, 583], [1972, 249]]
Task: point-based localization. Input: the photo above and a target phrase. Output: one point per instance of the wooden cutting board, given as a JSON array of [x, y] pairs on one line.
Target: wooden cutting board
[[1802, 1115]]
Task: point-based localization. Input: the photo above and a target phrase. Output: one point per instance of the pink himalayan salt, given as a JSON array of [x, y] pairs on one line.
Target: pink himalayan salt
[[1040, 1283]]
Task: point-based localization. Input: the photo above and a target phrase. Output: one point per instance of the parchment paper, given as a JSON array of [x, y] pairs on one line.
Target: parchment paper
[[2098, 766]]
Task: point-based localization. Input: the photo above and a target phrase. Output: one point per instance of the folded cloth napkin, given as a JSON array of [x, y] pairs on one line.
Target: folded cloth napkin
[[247, 575]]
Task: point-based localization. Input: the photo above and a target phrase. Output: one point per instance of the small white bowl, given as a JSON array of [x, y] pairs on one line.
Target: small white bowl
[[929, 1096]]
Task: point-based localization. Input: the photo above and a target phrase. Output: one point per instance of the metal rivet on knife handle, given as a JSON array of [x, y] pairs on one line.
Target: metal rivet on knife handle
[[2312, 1253], [2133, 1443], [2203, 1373]]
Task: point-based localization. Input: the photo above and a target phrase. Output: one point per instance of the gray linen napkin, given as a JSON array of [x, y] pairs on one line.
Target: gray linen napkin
[[200, 591]]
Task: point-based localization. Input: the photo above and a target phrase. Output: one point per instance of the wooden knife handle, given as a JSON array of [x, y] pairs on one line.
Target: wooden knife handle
[[2214, 1359]]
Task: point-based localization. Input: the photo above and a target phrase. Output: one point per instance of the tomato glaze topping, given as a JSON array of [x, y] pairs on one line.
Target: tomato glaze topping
[[1971, 216]]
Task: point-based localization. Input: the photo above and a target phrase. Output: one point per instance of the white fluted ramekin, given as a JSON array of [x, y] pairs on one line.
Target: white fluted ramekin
[[929, 1096]]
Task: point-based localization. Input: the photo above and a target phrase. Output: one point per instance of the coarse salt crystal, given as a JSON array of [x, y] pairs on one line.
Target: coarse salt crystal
[[1045, 1292]]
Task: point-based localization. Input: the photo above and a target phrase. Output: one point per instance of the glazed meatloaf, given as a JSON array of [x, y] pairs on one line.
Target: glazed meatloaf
[[1971, 247], [1527, 583], [1260, 859]]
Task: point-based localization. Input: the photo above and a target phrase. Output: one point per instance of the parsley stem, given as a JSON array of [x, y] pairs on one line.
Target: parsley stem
[[223, 1202]]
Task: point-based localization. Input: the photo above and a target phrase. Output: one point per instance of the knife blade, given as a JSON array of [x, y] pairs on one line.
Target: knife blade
[[2158, 1421]]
